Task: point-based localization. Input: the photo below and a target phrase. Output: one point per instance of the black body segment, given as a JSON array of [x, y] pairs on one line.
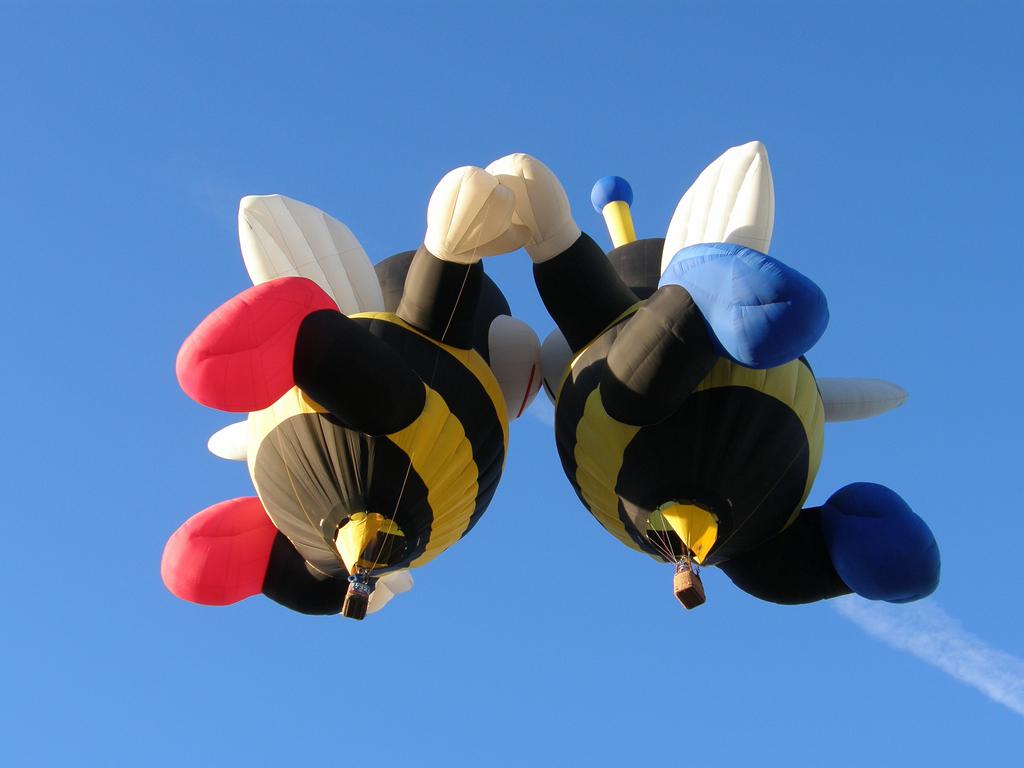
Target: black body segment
[[387, 420], [391, 275], [639, 265], [657, 359], [649, 415], [312, 473], [462, 391], [440, 298], [582, 292], [291, 582], [733, 450], [491, 302], [361, 381], [793, 567]]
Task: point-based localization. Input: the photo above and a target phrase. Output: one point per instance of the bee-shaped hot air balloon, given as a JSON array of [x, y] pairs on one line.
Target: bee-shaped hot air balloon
[[686, 417], [379, 402]]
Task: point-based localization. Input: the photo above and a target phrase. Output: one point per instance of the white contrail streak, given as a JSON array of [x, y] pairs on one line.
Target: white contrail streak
[[929, 633]]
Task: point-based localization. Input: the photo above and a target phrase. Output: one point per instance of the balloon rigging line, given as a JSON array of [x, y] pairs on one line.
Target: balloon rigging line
[[291, 482], [664, 545], [349, 437], [419, 423], [430, 386], [764, 498]]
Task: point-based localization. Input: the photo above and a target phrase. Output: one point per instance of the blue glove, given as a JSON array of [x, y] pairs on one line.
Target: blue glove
[[760, 312], [879, 547]]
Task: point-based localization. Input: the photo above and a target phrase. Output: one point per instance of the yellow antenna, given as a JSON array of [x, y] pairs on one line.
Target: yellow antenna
[[612, 197]]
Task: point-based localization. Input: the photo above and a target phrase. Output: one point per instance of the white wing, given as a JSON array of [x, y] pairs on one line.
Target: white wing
[[283, 237], [280, 236], [732, 201], [852, 399], [230, 443], [389, 585]]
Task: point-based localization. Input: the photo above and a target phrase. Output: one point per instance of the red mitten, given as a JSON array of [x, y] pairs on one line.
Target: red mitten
[[240, 357], [220, 555]]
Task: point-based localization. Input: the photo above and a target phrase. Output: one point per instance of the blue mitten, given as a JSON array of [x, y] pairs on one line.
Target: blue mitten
[[879, 547], [761, 313]]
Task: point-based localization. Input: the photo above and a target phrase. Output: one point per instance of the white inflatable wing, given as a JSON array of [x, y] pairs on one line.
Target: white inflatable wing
[[230, 443], [853, 399], [514, 352], [281, 237], [732, 201], [555, 357], [389, 585]]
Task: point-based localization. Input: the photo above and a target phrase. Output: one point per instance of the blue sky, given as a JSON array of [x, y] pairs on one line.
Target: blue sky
[[131, 130]]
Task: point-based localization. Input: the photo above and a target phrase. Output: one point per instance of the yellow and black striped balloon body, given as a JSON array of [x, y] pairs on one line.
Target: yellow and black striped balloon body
[[434, 478], [746, 445]]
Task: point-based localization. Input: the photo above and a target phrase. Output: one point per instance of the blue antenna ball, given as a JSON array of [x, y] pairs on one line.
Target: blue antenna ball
[[610, 189]]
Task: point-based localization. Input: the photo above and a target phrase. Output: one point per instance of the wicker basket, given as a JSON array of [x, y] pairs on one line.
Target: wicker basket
[[355, 605], [688, 588]]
